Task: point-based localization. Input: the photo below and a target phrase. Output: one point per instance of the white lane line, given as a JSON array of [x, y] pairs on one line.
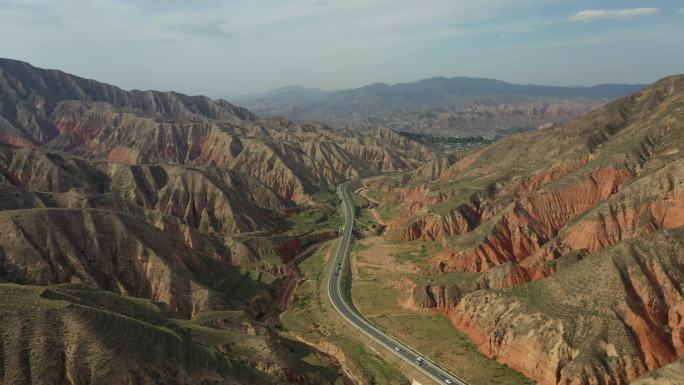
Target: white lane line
[[342, 253]]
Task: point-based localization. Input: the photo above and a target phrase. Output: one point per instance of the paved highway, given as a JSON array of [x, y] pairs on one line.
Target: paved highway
[[403, 351]]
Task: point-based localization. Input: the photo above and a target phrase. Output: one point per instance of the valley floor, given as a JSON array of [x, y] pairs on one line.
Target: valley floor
[[383, 272], [381, 292]]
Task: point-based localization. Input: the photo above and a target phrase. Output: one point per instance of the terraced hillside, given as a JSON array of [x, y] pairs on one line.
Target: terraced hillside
[[559, 250], [145, 237]]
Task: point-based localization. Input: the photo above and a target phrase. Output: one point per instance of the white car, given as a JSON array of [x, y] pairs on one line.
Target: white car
[[448, 381], [397, 348]]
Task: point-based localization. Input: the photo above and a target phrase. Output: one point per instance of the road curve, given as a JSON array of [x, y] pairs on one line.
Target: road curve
[[403, 351]]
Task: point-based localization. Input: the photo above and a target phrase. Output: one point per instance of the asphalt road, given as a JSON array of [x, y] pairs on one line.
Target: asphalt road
[[403, 351]]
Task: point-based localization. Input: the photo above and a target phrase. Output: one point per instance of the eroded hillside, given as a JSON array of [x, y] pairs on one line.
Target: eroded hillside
[[560, 249], [150, 234]]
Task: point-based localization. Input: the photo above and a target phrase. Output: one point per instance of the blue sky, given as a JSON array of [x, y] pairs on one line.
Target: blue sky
[[238, 47]]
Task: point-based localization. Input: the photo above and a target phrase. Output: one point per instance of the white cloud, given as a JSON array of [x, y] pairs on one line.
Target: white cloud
[[221, 47], [590, 15]]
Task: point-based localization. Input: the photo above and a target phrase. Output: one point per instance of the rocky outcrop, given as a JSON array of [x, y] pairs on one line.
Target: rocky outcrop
[[555, 330], [209, 200], [436, 297], [175, 203], [31, 95], [672, 374], [437, 226], [530, 222], [647, 205], [171, 263]]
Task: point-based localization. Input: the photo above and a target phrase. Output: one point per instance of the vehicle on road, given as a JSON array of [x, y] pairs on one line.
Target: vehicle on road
[[405, 353]]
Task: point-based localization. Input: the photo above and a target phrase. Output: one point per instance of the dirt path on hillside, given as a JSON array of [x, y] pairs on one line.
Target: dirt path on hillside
[[376, 216], [364, 193]]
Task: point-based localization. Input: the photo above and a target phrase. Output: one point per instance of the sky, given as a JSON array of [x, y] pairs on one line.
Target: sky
[[227, 48]]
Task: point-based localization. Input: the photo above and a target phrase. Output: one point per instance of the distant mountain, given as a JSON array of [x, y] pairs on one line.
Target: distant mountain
[[439, 105], [291, 95]]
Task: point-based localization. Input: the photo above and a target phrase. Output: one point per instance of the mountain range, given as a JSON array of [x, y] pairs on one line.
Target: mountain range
[[456, 106]]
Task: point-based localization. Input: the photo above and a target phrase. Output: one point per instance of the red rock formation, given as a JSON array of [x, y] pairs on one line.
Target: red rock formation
[[545, 330], [124, 155], [676, 324], [526, 225]]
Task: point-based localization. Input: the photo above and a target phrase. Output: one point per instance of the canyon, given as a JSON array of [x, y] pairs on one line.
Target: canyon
[[154, 237]]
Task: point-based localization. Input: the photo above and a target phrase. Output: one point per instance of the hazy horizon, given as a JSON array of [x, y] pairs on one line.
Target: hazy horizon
[[293, 86], [240, 48]]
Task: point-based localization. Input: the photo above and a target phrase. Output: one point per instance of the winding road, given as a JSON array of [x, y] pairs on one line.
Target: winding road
[[403, 351]]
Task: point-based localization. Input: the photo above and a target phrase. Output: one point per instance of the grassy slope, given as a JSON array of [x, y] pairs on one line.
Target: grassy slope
[[115, 328], [132, 328], [312, 318], [322, 217]]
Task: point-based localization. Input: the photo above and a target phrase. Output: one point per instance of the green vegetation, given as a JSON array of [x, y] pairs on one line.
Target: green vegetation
[[504, 132], [364, 221], [415, 252], [445, 139], [452, 278], [379, 291], [138, 329], [387, 210], [324, 216], [207, 336], [115, 325], [313, 318], [435, 337], [246, 285], [324, 196], [464, 190], [377, 195], [471, 239]]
